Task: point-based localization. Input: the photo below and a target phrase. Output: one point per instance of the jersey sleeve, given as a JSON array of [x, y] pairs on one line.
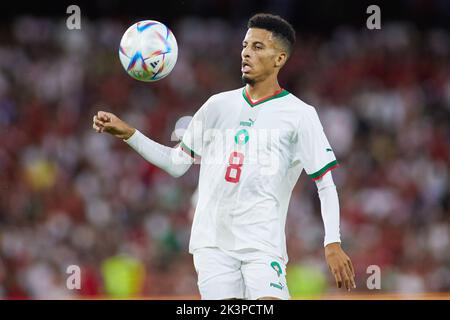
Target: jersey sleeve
[[192, 141], [312, 149]]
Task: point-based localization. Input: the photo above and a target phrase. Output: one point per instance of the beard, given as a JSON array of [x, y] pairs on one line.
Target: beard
[[246, 80]]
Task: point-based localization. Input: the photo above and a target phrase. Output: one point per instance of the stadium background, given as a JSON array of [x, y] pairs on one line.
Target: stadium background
[[70, 196]]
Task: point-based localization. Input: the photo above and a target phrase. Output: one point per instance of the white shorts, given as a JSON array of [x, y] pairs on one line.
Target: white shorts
[[241, 275]]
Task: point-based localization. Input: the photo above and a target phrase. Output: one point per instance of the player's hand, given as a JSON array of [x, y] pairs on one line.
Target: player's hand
[[110, 123], [340, 266]]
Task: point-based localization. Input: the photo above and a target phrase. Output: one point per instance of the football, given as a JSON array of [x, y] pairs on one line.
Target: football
[[148, 50]]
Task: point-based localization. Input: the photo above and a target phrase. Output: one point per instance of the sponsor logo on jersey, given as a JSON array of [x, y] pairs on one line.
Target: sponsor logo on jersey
[[278, 285], [248, 123]]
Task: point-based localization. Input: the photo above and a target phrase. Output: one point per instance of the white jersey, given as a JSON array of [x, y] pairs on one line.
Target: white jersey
[[252, 154]]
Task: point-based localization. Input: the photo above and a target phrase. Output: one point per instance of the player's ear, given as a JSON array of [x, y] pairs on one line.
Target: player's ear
[[280, 59]]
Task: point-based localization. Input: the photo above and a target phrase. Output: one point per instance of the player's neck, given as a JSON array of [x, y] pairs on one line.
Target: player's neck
[[262, 89]]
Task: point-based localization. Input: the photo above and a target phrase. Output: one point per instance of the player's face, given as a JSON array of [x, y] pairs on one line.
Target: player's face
[[261, 55]]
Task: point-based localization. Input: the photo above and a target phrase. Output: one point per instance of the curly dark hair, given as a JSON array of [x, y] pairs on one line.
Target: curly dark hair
[[279, 27]]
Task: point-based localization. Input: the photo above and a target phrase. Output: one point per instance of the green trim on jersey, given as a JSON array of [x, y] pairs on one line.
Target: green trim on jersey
[[189, 151], [316, 175], [278, 94]]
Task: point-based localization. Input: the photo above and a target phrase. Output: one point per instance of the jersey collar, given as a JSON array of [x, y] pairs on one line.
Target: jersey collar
[[280, 93]]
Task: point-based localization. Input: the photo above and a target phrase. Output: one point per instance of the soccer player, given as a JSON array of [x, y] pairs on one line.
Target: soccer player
[[252, 144]]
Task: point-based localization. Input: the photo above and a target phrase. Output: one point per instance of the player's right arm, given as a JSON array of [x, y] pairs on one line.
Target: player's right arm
[[174, 161]]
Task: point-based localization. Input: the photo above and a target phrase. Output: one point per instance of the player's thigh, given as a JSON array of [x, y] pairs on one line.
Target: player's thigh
[[265, 278], [219, 275]]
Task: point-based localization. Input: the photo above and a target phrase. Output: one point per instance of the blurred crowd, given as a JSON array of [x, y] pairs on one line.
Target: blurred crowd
[[70, 196]]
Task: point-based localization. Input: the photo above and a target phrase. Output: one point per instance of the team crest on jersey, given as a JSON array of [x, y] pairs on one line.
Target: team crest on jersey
[[241, 137]]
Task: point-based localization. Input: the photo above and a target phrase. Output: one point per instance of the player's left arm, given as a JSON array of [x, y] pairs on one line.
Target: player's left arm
[[314, 152], [338, 261]]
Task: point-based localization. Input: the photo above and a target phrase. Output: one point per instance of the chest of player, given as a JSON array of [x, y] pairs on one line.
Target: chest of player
[[263, 130]]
